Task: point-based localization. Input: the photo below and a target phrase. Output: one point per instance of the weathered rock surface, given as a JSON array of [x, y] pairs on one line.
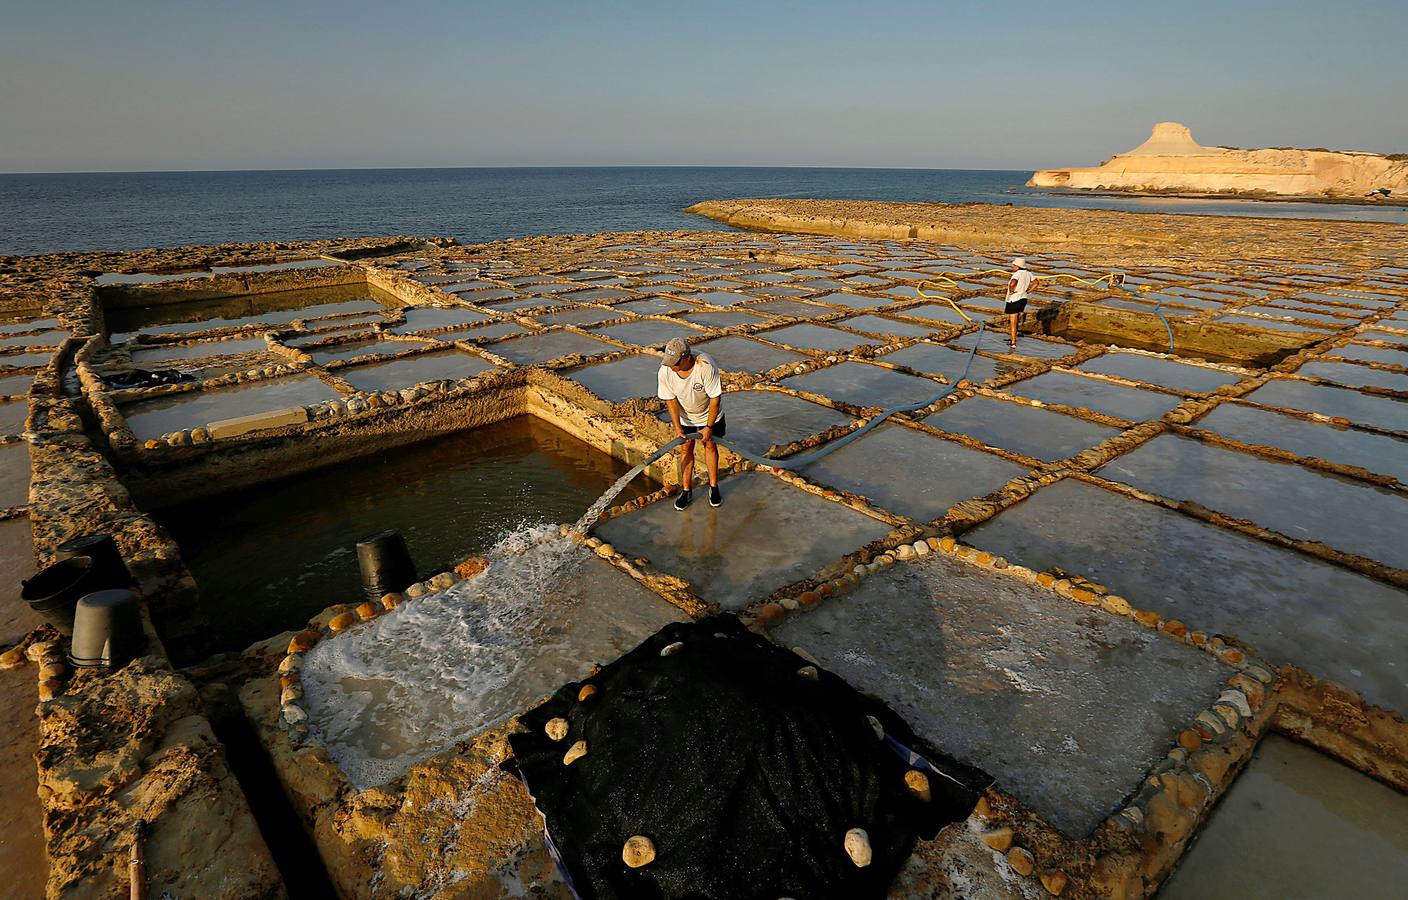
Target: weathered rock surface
[[132, 745], [1172, 161], [455, 825]]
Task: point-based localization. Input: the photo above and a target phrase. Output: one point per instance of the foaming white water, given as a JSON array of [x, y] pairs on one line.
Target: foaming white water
[[446, 666]]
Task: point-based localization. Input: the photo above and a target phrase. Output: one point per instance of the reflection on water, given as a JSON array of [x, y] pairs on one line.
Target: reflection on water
[[269, 557], [278, 308]]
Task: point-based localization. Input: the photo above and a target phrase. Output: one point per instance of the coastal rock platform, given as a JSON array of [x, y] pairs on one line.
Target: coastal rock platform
[[1045, 569]]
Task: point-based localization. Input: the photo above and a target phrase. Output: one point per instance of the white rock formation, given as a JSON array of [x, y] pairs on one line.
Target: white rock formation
[[1170, 160]]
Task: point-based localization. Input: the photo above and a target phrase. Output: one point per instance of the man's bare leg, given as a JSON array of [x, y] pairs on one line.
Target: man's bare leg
[[687, 465], [711, 462], [1012, 329], [686, 475]]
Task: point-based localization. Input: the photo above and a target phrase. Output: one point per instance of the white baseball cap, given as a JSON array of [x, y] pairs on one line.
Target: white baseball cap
[[675, 351]]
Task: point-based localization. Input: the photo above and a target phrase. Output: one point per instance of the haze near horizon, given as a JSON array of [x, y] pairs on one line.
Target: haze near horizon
[[1022, 85]]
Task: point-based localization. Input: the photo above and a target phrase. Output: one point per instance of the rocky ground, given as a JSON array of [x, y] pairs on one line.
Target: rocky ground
[[1101, 236], [139, 744]]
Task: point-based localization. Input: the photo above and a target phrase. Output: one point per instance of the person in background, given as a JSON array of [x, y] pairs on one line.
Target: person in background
[[689, 384], [1018, 287]]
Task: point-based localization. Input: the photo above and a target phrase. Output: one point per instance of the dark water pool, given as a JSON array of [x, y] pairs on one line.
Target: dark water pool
[[268, 557]]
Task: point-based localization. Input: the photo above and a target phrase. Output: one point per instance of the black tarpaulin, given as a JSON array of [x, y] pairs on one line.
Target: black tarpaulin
[[744, 773]]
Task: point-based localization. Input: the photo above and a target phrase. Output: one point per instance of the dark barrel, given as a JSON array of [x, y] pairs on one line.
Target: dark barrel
[[386, 564], [54, 590], [107, 630], [108, 568]]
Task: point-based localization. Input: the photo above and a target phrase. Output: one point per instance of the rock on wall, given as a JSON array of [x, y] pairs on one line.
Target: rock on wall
[[1172, 161]]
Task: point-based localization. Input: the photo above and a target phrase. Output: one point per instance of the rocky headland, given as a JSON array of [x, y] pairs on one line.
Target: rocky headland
[[1170, 161]]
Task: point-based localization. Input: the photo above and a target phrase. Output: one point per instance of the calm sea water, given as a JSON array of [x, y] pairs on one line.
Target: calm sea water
[[43, 213]]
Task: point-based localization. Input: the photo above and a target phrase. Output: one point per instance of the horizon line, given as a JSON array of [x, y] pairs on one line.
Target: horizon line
[[9, 172]]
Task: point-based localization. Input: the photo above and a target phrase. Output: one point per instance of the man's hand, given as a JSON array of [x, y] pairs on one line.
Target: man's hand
[[679, 430], [708, 433]]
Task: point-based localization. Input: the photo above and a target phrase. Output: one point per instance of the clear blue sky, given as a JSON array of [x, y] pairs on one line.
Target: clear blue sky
[[150, 84]]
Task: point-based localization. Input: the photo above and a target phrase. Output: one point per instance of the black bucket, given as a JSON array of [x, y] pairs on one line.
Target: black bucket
[[385, 563], [54, 590], [107, 630], [109, 571]]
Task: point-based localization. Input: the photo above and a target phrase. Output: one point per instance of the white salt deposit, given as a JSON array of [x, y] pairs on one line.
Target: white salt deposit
[[446, 666]]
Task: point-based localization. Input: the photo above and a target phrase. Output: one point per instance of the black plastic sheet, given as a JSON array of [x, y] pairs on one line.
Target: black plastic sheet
[[745, 774]]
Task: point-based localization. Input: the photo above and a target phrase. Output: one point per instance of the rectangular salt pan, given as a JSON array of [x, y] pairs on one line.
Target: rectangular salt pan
[[950, 362], [1291, 607], [866, 385], [880, 325], [158, 353], [479, 332], [648, 333], [13, 414], [723, 319], [435, 317], [16, 384], [1163, 372], [582, 317], [1292, 499], [539, 348], [186, 318], [1039, 433], [655, 306], [359, 349], [818, 337], [24, 360], [1354, 375], [1131, 404], [1381, 412], [14, 474], [1365, 353], [190, 409], [1066, 706], [905, 471], [1381, 454], [418, 369], [741, 354], [620, 380], [43, 339], [766, 535]]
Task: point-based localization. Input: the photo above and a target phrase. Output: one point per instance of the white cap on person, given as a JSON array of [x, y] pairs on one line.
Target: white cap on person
[[675, 351], [1019, 263]]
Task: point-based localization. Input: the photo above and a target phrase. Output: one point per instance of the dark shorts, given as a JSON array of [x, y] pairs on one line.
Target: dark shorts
[[720, 428], [1015, 306]]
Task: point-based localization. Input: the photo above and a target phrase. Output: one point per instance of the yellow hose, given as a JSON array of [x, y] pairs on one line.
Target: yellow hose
[[1036, 279]]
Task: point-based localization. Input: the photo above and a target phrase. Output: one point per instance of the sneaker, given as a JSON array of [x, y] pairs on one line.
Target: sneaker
[[715, 498], [682, 500]]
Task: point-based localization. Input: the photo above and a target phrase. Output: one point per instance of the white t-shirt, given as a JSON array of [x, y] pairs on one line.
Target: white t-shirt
[[693, 391], [1020, 284]]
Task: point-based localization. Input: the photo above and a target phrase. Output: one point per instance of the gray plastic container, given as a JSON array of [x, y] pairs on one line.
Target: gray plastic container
[[107, 630]]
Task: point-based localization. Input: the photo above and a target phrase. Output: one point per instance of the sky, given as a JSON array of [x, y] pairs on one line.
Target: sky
[[150, 85]]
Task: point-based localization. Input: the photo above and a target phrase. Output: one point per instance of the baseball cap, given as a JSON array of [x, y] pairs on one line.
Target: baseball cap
[[1019, 263], [675, 351]]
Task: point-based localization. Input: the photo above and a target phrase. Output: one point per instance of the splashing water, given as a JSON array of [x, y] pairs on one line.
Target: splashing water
[[446, 666]]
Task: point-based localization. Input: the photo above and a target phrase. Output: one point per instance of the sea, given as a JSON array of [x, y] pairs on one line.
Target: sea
[[42, 213]]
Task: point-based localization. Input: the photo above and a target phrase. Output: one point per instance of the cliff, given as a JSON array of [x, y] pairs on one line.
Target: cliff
[[1170, 160]]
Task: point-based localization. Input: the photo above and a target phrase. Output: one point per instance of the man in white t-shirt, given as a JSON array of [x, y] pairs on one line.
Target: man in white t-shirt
[[690, 386], [1018, 288]]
